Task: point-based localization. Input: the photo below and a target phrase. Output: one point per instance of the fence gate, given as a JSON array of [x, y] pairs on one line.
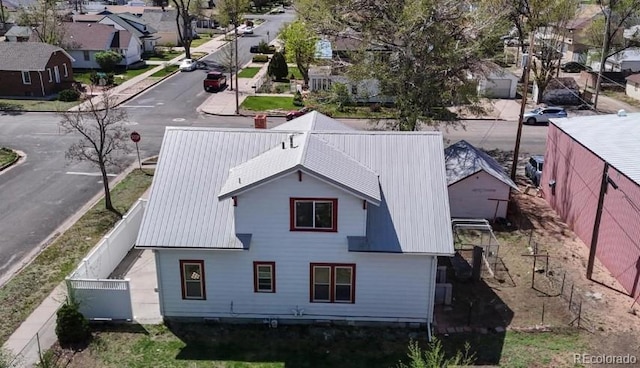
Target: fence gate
[[102, 299]]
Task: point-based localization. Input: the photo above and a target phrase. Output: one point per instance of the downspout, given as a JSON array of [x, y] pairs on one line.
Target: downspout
[[41, 83], [432, 294], [157, 259]]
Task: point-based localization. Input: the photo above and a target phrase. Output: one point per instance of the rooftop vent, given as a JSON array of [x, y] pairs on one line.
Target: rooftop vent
[[621, 112]]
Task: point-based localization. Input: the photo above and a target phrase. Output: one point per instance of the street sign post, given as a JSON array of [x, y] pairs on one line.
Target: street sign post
[[135, 137]]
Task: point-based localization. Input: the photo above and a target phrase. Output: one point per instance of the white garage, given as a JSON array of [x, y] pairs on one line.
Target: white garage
[[478, 184], [496, 82]]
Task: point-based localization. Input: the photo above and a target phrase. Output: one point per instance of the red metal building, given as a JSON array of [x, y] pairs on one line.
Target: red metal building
[[591, 178]]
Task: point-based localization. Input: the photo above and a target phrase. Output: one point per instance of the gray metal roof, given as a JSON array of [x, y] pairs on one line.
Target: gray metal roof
[[19, 31], [611, 137], [184, 210], [27, 56], [310, 154], [462, 160], [312, 121]]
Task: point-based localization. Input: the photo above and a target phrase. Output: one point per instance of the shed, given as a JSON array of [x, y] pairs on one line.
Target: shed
[[627, 60], [559, 91], [632, 87], [496, 82], [591, 160], [478, 185]]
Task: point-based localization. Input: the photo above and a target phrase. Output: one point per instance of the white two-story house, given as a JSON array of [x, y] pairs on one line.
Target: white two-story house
[[308, 222]]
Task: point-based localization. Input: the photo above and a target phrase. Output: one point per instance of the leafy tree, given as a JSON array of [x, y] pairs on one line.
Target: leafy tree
[[108, 60], [44, 20], [230, 11], [103, 136], [435, 357], [340, 96], [278, 66], [300, 46], [606, 33], [3, 17], [430, 45]]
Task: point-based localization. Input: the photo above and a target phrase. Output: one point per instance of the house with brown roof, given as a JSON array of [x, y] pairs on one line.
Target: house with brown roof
[[84, 40], [33, 69], [575, 37]]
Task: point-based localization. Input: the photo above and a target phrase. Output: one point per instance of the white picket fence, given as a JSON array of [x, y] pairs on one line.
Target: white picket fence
[[100, 297]]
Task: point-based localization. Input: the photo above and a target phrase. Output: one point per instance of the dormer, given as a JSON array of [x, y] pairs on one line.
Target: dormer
[[316, 175]]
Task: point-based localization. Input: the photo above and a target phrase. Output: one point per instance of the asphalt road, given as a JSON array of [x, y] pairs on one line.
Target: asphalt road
[[40, 194]]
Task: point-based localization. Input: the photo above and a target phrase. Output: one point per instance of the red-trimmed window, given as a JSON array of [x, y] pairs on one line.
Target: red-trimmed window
[[314, 214], [192, 278], [264, 277], [332, 283]]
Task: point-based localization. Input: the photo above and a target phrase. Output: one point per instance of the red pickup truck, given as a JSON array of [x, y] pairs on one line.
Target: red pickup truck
[[215, 81]]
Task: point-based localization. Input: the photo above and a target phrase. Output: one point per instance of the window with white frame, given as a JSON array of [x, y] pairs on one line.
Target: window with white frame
[[64, 68], [26, 78], [50, 74], [332, 283], [264, 277], [314, 214], [192, 278]]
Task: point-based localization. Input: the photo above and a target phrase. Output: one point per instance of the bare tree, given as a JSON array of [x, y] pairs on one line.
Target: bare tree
[[3, 18], [227, 59], [44, 20], [103, 137], [184, 21]]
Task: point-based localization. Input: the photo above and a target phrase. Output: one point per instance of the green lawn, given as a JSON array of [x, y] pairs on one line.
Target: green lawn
[[264, 103], [35, 105], [256, 346], [204, 38], [165, 56], [169, 69], [295, 71], [249, 72], [7, 156], [82, 75], [25, 291]]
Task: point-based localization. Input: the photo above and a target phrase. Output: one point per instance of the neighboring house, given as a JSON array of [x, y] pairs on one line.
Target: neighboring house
[[478, 185], [574, 36], [495, 81], [624, 61], [633, 86], [18, 34], [84, 40], [559, 91], [145, 34], [591, 160], [164, 21], [33, 69], [306, 223], [321, 78]]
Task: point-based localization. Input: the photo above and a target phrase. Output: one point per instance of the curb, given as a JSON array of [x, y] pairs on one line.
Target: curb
[[9, 164]]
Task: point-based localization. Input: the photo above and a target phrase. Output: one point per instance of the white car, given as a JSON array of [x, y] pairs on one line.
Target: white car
[[247, 30], [278, 10], [187, 65]]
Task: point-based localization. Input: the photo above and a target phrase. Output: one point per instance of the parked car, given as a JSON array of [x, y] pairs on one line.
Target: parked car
[[549, 53], [298, 113], [187, 65], [247, 30], [543, 114], [533, 169], [215, 81], [277, 10], [573, 67]]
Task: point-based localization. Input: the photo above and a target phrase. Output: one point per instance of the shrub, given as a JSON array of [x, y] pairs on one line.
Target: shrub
[[71, 326], [297, 99], [108, 60], [69, 95], [375, 107], [260, 58], [265, 48], [340, 96], [278, 67]]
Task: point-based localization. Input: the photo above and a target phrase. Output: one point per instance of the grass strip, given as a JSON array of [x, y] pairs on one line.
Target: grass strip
[[7, 156], [26, 290]]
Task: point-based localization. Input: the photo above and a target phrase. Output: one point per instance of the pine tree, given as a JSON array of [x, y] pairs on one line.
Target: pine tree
[[278, 66]]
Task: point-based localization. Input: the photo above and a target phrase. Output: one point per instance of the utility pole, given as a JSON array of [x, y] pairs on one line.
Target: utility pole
[[523, 104], [596, 222], [235, 31], [603, 58]]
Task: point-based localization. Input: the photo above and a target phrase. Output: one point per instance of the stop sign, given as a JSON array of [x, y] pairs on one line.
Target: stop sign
[[135, 137]]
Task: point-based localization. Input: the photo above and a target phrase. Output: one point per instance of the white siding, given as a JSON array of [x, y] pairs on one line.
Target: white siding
[[633, 90], [472, 197], [389, 287], [133, 52], [81, 63]]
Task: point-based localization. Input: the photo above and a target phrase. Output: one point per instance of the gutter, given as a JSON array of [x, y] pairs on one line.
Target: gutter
[[41, 83]]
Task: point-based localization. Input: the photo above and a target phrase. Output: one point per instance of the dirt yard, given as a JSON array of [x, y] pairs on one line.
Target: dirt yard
[[560, 293]]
